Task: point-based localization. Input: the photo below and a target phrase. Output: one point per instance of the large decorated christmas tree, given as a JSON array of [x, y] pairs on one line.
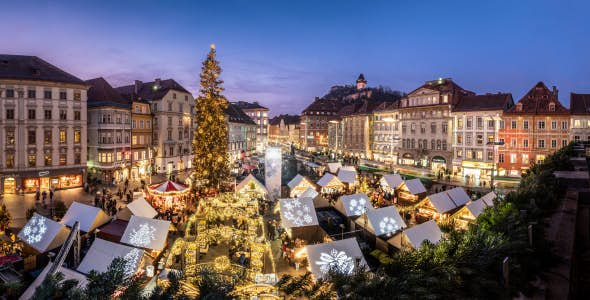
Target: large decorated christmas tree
[[211, 162]]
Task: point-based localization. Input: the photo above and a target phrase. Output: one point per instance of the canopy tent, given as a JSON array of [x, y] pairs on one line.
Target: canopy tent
[[354, 205], [414, 186], [441, 202], [43, 234], [142, 208], [459, 196], [340, 256], [382, 221], [251, 184], [333, 167], [427, 231], [347, 176], [298, 185], [168, 187], [489, 198], [68, 274], [297, 212], [329, 181], [102, 253], [391, 181], [146, 233], [90, 217]]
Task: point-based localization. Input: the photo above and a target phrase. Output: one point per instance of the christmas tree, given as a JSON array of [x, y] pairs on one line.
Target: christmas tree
[[211, 162]]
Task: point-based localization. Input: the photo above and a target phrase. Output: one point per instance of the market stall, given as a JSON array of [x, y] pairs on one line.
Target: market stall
[[413, 237], [141, 208], [146, 233], [67, 274], [411, 192], [43, 234], [391, 182], [89, 217], [459, 196], [318, 200], [169, 195], [472, 210], [380, 224], [114, 230], [436, 206], [342, 256], [333, 167], [347, 177], [299, 219], [298, 185], [330, 184], [102, 253], [251, 186]]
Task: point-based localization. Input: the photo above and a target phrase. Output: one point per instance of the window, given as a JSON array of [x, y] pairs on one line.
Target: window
[[460, 123], [501, 157], [77, 136], [468, 139], [10, 114], [479, 155], [490, 155], [469, 154], [77, 115], [553, 124], [553, 143], [47, 138], [32, 158], [479, 138], [577, 124], [62, 136], [491, 138], [77, 96], [77, 158], [525, 143], [133, 123], [10, 136], [563, 143], [541, 143], [31, 94], [141, 124], [173, 95], [63, 159], [445, 127], [169, 106], [432, 127], [169, 121], [169, 134], [501, 124], [171, 151], [551, 106], [490, 124], [479, 122], [32, 137], [577, 138], [540, 158], [525, 158], [525, 124], [47, 95], [541, 125], [31, 114], [147, 124], [459, 153], [63, 114], [47, 114], [134, 140], [63, 95], [9, 160], [513, 124], [563, 124], [9, 93], [47, 159], [469, 122], [512, 158]]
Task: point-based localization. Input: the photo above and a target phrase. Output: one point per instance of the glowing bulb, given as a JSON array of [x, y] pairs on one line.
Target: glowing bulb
[[212, 46]]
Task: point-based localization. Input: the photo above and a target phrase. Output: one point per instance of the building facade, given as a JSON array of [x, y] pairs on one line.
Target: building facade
[[314, 124], [580, 117], [258, 114], [42, 126], [242, 133], [357, 128], [535, 127], [109, 132], [284, 130], [142, 163], [386, 133], [476, 122], [426, 123], [173, 112]]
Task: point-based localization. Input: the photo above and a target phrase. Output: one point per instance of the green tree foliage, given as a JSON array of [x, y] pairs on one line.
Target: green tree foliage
[[4, 217], [213, 286], [304, 287], [211, 162]]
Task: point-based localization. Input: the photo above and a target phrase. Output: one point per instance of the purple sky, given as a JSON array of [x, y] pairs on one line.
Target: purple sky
[[283, 53]]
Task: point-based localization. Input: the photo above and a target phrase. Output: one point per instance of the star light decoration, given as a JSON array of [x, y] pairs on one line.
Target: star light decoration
[[297, 213], [132, 259], [335, 261], [143, 236], [388, 224], [357, 207], [35, 229]]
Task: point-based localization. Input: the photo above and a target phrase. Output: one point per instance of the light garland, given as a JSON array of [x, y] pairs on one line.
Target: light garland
[[143, 236], [132, 259], [35, 229]]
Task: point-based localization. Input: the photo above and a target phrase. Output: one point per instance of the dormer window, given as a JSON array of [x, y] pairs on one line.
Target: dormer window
[[519, 107], [551, 106]]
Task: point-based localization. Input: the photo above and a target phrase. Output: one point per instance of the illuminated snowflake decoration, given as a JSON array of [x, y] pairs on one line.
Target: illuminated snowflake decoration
[[335, 261], [297, 213], [388, 225], [143, 236], [357, 207], [132, 259], [35, 230]]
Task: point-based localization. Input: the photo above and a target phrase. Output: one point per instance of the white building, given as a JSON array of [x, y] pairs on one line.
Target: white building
[[241, 133], [386, 132], [42, 126], [580, 118], [258, 114]]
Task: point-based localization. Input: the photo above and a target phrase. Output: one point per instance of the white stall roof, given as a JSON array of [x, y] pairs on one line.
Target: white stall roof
[[427, 231], [250, 178], [442, 202], [141, 208], [67, 273], [339, 256], [329, 179], [415, 186], [333, 167], [295, 181], [348, 168], [476, 207], [385, 220], [391, 180], [43, 234], [347, 176], [298, 212], [309, 193], [146, 233], [102, 253], [90, 217], [489, 198], [354, 205], [459, 196]]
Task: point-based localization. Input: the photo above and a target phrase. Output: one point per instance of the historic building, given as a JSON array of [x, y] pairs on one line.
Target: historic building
[[426, 123], [173, 112], [535, 127], [314, 123], [142, 132], [357, 126], [476, 121], [580, 117], [284, 130], [386, 132], [335, 132], [109, 132], [241, 133], [42, 126], [258, 114]]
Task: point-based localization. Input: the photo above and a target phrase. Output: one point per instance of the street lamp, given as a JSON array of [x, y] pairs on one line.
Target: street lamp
[[494, 144]]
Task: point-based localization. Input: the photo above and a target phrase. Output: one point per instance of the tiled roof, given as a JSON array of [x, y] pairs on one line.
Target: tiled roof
[[101, 93], [151, 91], [236, 115], [323, 105], [443, 85], [248, 105], [484, 102], [580, 104], [387, 106], [537, 101], [24, 67], [359, 108], [288, 119]]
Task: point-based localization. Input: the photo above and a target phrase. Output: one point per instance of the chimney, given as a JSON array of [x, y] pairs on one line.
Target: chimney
[[138, 84], [555, 92]]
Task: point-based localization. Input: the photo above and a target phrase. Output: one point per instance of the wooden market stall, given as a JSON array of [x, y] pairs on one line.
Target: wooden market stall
[[472, 210], [43, 234], [251, 186], [436, 206], [391, 182], [299, 219], [330, 184], [298, 185], [379, 225], [90, 217], [413, 237], [411, 192], [342, 256], [102, 253], [348, 177], [146, 233]]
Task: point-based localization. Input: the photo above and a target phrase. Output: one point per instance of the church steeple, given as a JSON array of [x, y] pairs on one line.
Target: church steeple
[[361, 83]]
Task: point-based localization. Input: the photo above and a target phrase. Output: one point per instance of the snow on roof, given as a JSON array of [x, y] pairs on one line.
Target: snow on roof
[[442, 202], [333, 167], [391, 180], [309, 193], [339, 256], [459, 196], [354, 205], [140, 207], [43, 234], [295, 181], [385, 220], [297, 212], [426, 231], [102, 253], [415, 186], [250, 178], [329, 179], [476, 207], [90, 217], [146, 233], [67, 273], [489, 198], [347, 176]]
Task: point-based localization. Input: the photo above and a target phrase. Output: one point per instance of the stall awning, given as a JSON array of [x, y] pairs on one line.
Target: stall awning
[[309, 193], [441, 202], [415, 186], [297, 180], [392, 181], [427, 231], [354, 205], [168, 187], [146, 233], [297, 212], [489, 198], [102, 253], [43, 234], [90, 217], [459, 196], [338, 256], [141, 208]]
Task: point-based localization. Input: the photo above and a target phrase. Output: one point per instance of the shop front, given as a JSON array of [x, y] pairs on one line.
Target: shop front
[[407, 159], [9, 185], [51, 179], [476, 170], [438, 164]]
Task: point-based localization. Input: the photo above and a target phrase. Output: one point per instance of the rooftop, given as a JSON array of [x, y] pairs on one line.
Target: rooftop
[[23, 67], [101, 93], [537, 101], [499, 101], [236, 115], [154, 90], [249, 105], [580, 104]]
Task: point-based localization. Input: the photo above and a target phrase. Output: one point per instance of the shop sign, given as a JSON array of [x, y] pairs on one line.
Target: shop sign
[[476, 165], [43, 173]]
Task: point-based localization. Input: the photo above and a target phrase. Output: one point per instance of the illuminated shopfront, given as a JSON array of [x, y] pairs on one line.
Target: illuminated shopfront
[[407, 159], [9, 185], [30, 185], [438, 164], [476, 169]]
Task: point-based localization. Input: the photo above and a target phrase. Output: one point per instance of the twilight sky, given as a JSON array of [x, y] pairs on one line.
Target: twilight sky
[[283, 53]]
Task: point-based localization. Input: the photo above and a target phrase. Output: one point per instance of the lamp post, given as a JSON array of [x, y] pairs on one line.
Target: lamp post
[[494, 144]]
